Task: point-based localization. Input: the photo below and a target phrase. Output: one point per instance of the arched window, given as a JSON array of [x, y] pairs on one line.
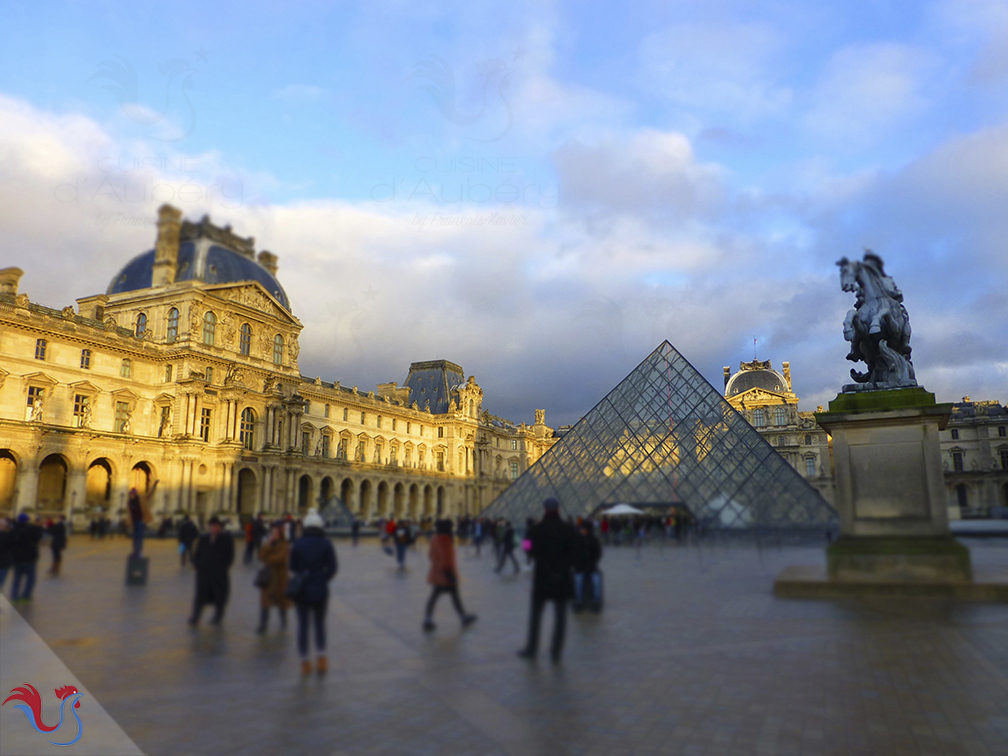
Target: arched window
[[172, 335], [759, 418], [277, 349], [780, 416], [209, 328], [245, 342], [247, 430], [141, 324]]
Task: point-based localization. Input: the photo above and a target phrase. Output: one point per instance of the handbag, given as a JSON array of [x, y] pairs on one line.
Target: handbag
[[295, 585], [263, 578]]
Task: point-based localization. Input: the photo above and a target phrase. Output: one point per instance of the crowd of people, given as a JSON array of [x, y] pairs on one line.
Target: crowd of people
[[297, 561]]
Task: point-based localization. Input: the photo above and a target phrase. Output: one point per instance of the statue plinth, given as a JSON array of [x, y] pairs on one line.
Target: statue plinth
[[890, 489]]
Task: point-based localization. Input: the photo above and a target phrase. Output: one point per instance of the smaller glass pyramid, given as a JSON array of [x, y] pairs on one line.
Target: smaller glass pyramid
[[665, 436]]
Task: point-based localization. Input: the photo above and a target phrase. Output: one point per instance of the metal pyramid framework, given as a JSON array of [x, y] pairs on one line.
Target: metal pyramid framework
[[665, 436]]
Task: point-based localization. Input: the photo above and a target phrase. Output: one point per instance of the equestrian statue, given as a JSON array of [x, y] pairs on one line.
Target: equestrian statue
[[878, 328]]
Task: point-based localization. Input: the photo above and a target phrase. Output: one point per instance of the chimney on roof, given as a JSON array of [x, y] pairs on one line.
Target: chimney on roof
[[166, 249], [727, 376], [269, 261], [9, 280]]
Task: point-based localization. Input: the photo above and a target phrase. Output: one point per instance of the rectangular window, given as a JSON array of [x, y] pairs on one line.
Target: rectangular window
[[809, 467], [122, 417], [514, 470], [379, 421], [514, 444], [361, 451], [204, 424], [209, 375], [421, 430], [955, 433], [440, 461], [377, 454], [808, 439], [325, 446], [346, 414], [1004, 459], [307, 407], [957, 461], [363, 416], [1002, 431], [393, 423], [167, 373], [85, 359], [81, 404], [409, 425], [126, 369], [163, 423], [40, 349], [306, 442], [440, 432], [327, 410]]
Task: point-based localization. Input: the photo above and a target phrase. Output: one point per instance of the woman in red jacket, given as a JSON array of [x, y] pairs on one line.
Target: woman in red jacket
[[443, 574]]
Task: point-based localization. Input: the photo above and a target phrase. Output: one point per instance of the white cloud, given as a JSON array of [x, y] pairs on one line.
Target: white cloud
[[716, 68], [866, 92]]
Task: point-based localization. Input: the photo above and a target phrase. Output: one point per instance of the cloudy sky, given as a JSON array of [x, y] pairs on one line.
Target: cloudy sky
[[539, 192]]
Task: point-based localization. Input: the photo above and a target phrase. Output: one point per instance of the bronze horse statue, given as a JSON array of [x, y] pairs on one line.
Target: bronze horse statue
[[878, 328]]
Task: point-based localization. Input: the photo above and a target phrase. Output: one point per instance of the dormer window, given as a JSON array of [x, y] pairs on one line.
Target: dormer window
[[209, 328], [141, 324]]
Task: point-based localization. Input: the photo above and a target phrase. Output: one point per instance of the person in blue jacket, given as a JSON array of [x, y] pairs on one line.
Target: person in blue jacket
[[314, 559]]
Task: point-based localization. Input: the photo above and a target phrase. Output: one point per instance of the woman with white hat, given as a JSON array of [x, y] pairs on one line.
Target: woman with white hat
[[312, 565]]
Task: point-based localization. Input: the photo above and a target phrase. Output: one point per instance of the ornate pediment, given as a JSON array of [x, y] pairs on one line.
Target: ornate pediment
[[256, 298], [85, 387]]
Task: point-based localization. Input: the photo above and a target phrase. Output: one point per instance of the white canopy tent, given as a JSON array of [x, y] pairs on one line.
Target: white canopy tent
[[621, 509]]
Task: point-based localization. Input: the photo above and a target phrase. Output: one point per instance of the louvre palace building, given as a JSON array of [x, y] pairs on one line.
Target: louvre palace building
[[186, 371]]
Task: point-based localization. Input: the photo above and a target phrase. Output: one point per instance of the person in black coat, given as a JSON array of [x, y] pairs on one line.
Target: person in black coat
[[553, 543], [587, 555], [25, 539], [212, 559], [57, 542], [187, 535], [6, 550], [507, 548], [313, 560]]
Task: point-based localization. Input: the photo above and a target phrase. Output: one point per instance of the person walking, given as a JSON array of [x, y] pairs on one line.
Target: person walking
[[507, 547], [443, 575], [6, 550], [553, 543], [274, 554], [259, 532], [249, 542], [139, 515], [25, 539], [402, 536], [57, 542], [587, 555], [313, 563], [187, 535], [355, 531], [212, 559], [478, 533]]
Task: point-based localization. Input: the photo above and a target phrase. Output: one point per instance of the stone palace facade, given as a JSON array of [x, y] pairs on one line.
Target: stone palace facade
[[186, 371]]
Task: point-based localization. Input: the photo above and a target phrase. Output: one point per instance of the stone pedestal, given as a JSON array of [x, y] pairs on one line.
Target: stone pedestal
[[891, 499]]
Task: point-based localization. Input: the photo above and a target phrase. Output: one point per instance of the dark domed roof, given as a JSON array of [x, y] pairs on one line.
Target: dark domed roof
[[211, 264], [769, 380]]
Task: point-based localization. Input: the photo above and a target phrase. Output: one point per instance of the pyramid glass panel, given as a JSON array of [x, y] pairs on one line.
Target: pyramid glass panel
[[666, 437]]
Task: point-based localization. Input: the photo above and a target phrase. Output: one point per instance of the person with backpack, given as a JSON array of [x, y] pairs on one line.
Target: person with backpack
[[312, 564], [443, 575]]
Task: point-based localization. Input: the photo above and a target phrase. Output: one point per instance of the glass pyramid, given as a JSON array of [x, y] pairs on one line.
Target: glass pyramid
[[665, 436]]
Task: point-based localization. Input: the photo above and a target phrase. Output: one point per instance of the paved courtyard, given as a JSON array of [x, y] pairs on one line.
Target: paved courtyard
[[693, 655]]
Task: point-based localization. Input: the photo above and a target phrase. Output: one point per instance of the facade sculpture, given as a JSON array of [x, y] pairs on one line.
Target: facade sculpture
[[878, 327]]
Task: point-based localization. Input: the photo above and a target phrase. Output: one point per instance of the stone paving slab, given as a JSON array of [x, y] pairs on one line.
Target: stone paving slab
[[693, 655], [25, 658]]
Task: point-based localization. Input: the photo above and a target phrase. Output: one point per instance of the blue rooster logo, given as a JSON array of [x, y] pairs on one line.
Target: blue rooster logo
[[32, 709], [493, 83], [124, 86]]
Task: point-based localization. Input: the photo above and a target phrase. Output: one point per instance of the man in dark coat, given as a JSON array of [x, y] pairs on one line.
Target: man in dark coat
[[6, 549], [553, 543], [187, 535], [212, 559], [57, 542], [24, 553], [507, 547]]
